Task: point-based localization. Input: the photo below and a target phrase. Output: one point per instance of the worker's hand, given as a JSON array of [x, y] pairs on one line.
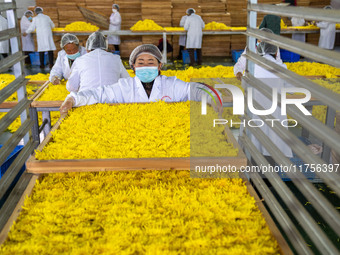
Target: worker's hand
[[24, 34], [67, 105], [239, 76], [55, 80]]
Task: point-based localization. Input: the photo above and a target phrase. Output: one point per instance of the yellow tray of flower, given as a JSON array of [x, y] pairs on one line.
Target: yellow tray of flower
[[51, 95], [135, 136], [140, 212]]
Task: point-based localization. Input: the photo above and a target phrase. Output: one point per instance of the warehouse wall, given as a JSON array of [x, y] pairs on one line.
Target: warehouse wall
[[23, 5], [169, 13]]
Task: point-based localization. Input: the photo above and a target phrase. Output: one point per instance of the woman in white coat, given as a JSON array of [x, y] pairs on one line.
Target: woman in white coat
[[27, 41], [194, 26], [327, 33], [71, 50], [4, 45], [97, 67], [147, 86], [269, 51], [115, 24], [43, 26]]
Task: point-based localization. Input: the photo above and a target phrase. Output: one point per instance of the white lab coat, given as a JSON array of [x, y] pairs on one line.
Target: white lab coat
[[27, 41], [115, 23], [62, 67], [4, 45], [182, 38], [43, 26], [240, 65], [131, 90], [297, 22], [194, 26], [272, 81], [95, 69], [327, 35]]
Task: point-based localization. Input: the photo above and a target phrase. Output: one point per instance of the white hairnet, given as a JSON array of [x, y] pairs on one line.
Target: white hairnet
[[328, 7], [38, 10], [96, 41], [145, 48], [190, 11], [28, 12], [68, 38], [265, 47], [116, 6]]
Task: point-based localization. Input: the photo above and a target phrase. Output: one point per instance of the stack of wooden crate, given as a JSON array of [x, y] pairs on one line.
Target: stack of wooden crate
[[238, 12], [319, 3]]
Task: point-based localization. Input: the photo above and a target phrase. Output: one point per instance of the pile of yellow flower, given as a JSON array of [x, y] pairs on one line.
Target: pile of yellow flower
[[6, 79], [54, 92], [81, 26], [283, 24], [337, 26], [238, 28], [313, 69], [306, 27], [147, 24], [202, 72], [205, 139], [174, 28], [216, 26], [122, 131], [57, 29], [38, 77], [139, 212]]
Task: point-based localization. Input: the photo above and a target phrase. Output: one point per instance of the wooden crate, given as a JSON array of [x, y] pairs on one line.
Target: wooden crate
[[238, 42], [210, 6], [127, 46]]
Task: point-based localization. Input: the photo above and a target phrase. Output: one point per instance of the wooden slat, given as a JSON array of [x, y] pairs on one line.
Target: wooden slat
[[40, 90], [95, 17], [8, 105]]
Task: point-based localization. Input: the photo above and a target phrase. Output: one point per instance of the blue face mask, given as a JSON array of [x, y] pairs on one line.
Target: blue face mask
[[30, 18], [147, 73], [74, 56]]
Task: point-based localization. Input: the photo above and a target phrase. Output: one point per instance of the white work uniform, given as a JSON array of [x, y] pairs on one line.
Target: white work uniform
[[194, 25], [182, 38], [62, 68], [4, 45], [95, 69], [27, 41], [115, 23], [131, 90], [240, 65], [43, 26], [298, 22], [327, 35], [273, 82]]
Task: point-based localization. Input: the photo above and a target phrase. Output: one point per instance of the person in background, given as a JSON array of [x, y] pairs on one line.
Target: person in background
[[4, 45], [298, 22], [43, 26], [194, 26], [290, 2], [147, 86], [327, 33], [27, 41], [240, 65], [96, 68], [115, 23], [272, 22], [182, 38], [269, 52], [66, 57]]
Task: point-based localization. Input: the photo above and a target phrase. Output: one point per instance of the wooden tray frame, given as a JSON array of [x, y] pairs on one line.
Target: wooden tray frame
[[283, 245], [44, 104], [85, 165]]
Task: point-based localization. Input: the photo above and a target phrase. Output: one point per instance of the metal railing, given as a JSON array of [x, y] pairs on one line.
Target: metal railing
[[10, 187], [327, 135]]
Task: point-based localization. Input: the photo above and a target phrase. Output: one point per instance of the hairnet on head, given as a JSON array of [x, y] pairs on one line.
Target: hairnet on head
[[38, 10], [190, 11], [116, 6], [68, 38], [145, 49], [265, 47], [28, 12], [328, 7], [96, 41]]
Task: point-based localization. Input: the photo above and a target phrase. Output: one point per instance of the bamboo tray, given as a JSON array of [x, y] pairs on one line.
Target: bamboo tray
[[283, 245], [117, 164]]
